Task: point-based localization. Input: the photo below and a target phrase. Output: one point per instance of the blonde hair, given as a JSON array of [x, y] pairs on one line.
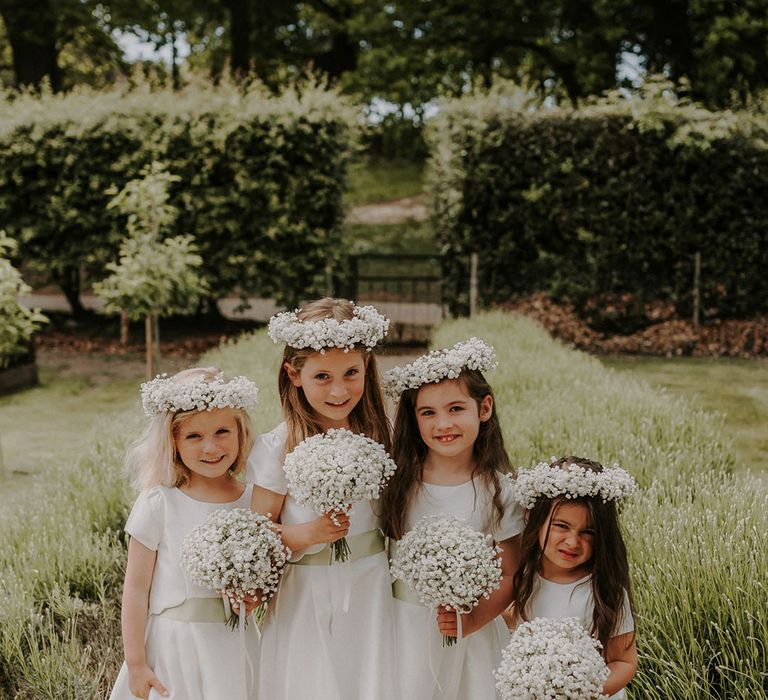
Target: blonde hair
[[367, 417], [153, 458]]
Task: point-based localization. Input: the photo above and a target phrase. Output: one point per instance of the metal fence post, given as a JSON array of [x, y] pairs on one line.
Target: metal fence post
[[696, 288]]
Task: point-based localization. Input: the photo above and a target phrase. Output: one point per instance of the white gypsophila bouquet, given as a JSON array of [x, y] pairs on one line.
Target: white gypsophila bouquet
[[552, 658], [332, 470], [238, 552], [447, 563]]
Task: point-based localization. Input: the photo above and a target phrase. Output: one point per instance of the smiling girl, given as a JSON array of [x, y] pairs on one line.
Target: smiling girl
[[451, 460], [327, 634], [175, 641]]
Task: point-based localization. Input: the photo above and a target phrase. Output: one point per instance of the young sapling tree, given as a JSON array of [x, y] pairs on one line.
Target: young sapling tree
[[154, 276]]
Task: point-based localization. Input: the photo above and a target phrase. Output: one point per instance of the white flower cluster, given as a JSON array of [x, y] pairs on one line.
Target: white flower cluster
[[332, 470], [572, 481], [446, 562], [367, 328], [552, 659], [236, 551], [438, 365], [164, 394]]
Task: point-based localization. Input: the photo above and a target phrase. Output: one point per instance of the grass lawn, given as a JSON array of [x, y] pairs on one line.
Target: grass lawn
[[736, 388], [372, 180], [78, 395]]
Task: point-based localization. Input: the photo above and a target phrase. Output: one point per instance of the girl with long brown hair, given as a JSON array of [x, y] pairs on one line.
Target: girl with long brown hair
[[451, 460], [328, 632], [573, 561]]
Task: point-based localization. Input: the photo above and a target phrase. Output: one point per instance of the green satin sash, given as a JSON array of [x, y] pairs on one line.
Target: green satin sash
[[402, 591], [361, 545], [198, 610]]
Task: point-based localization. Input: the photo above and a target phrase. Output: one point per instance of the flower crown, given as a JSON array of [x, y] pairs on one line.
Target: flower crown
[[440, 364], [367, 327], [550, 480], [164, 395]]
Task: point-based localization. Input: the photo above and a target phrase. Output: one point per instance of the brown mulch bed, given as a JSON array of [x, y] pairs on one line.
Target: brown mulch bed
[[668, 337]]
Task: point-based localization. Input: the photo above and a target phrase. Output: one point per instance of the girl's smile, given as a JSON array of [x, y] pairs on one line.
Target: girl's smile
[[333, 384], [207, 443], [449, 418]]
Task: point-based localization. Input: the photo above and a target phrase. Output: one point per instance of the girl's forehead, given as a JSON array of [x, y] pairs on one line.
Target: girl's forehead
[[574, 513], [333, 359], [442, 392], [207, 419]]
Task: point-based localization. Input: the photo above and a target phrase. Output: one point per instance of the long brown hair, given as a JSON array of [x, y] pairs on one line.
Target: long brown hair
[[410, 452], [609, 565], [367, 417]]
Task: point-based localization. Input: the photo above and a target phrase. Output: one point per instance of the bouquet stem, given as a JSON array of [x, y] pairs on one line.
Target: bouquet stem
[[340, 550]]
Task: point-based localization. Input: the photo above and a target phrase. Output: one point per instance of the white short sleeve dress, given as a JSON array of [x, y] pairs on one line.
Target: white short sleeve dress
[[550, 599], [425, 669], [194, 660], [327, 634]]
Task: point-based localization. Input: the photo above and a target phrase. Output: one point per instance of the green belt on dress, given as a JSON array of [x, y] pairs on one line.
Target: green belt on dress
[[197, 610], [361, 545], [402, 591]]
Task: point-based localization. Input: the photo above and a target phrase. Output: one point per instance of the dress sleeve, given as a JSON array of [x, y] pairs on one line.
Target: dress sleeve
[[145, 523], [625, 623], [512, 521], [265, 463]]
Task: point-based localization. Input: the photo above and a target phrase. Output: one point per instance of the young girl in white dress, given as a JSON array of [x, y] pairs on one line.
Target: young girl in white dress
[[450, 454], [573, 561], [175, 637], [327, 634]]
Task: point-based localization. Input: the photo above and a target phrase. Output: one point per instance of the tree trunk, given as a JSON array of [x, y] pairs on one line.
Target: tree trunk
[[31, 29], [68, 280], [239, 36], [152, 343]]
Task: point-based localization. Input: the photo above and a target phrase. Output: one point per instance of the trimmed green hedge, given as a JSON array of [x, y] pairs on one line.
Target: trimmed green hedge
[[261, 187], [611, 199]]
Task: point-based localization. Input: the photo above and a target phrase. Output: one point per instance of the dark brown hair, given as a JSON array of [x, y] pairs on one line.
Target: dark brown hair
[[410, 452], [367, 417], [609, 566]]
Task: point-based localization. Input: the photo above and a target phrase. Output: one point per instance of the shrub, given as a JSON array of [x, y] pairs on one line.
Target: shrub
[[260, 188], [17, 322], [613, 199]]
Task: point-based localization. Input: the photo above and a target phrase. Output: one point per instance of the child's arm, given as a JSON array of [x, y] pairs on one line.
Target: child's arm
[[138, 580], [296, 537], [621, 657], [487, 608]]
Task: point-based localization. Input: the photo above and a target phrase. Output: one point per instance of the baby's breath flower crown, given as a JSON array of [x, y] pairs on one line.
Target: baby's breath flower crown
[[164, 395], [367, 328], [550, 480], [440, 364]]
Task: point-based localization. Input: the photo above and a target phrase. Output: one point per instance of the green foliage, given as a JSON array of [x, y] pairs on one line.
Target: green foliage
[[153, 276], [613, 198], [17, 322], [261, 179], [695, 530]]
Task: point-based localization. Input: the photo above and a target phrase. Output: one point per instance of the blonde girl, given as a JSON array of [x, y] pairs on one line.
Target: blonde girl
[[327, 635], [175, 639], [573, 561], [450, 454]]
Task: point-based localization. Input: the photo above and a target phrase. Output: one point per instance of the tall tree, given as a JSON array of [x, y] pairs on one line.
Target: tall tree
[[31, 31]]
